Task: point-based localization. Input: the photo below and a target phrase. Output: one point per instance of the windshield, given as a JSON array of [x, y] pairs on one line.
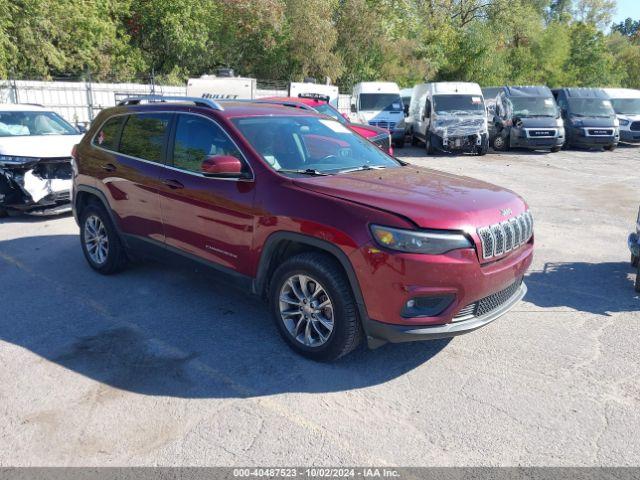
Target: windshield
[[308, 144], [327, 109], [590, 107], [380, 101], [533, 107], [24, 124], [458, 104], [626, 106]]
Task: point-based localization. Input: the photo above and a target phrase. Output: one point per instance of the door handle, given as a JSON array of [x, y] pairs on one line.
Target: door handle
[[173, 184], [109, 167]]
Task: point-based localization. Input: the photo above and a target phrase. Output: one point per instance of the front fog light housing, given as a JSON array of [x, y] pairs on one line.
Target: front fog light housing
[[428, 306], [434, 242]]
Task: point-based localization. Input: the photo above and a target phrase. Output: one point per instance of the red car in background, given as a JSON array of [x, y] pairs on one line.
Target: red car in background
[[320, 103]]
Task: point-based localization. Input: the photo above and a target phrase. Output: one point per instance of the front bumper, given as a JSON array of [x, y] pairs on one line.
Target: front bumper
[[634, 244], [460, 143], [390, 281], [40, 187], [577, 138], [627, 136], [523, 139], [399, 333]]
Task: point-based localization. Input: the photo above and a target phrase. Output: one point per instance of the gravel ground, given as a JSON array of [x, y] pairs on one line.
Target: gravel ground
[[166, 366]]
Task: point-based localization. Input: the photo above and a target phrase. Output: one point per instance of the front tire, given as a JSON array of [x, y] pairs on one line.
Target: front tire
[[400, 143], [635, 261], [637, 285], [610, 148], [100, 241], [313, 306], [500, 143], [428, 144], [555, 149]]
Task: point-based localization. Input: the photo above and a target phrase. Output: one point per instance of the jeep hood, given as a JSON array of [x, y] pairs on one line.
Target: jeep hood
[[429, 198]]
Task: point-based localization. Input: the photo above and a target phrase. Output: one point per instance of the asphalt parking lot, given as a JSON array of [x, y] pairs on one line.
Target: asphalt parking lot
[[158, 366]]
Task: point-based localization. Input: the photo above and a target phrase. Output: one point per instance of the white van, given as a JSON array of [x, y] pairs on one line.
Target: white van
[[304, 88], [626, 103], [449, 117], [212, 86], [379, 104], [406, 94]]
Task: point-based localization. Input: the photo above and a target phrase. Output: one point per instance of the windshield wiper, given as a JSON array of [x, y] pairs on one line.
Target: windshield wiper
[[362, 167], [309, 171]]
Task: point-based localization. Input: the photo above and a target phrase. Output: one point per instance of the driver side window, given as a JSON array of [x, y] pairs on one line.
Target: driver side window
[[198, 138]]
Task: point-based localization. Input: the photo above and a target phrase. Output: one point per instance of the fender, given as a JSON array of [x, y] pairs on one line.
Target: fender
[[105, 203], [267, 255]]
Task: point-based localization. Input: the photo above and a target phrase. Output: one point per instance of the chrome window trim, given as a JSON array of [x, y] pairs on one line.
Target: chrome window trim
[[171, 167]]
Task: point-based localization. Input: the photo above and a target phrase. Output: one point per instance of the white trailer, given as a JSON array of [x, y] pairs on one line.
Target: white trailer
[[301, 88], [211, 86]]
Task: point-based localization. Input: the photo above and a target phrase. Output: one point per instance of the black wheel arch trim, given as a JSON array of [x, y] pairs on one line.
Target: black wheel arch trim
[[272, 242], [105, 203]]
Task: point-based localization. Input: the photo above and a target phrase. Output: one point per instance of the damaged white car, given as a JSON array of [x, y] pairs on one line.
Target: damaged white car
[[35, 160]]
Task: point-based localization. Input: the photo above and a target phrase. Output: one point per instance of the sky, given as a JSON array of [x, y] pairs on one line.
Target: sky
[[627, 8]]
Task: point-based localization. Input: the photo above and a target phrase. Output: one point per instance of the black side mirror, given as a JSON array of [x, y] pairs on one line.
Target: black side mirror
[[81, 128], [353, 108], [406, 110]]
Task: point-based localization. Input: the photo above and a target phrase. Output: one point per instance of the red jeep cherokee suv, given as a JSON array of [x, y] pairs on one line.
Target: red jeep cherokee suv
[[342, 239]]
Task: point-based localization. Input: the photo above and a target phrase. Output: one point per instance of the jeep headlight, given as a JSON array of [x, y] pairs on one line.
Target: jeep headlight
[[432, 242], [624, 122]]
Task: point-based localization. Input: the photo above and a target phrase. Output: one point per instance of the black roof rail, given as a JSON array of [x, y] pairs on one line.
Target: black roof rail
[[198, 101]]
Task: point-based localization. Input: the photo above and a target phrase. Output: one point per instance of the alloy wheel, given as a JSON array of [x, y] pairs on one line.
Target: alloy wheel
[[96, 239], [306, 310]]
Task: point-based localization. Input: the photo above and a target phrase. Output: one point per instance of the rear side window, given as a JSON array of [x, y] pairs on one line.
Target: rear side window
[[144, 135], [107, 136], [198, 138]]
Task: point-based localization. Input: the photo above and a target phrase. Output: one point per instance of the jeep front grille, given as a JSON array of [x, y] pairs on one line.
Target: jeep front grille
[[506, 236]]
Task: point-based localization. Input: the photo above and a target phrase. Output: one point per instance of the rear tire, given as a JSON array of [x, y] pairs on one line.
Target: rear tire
[[635, 261], [100, 241], [3, 213], [637, 285], [306, 282], [400, 143], [428, 144], [414, 139]]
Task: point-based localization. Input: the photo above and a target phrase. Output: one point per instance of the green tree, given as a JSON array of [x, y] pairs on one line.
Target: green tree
[[590, 63], [312, 39]]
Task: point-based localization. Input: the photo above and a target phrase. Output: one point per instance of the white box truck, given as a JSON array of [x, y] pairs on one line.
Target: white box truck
[[626, 104], [220, 87], [379, 104], [449, 117]]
